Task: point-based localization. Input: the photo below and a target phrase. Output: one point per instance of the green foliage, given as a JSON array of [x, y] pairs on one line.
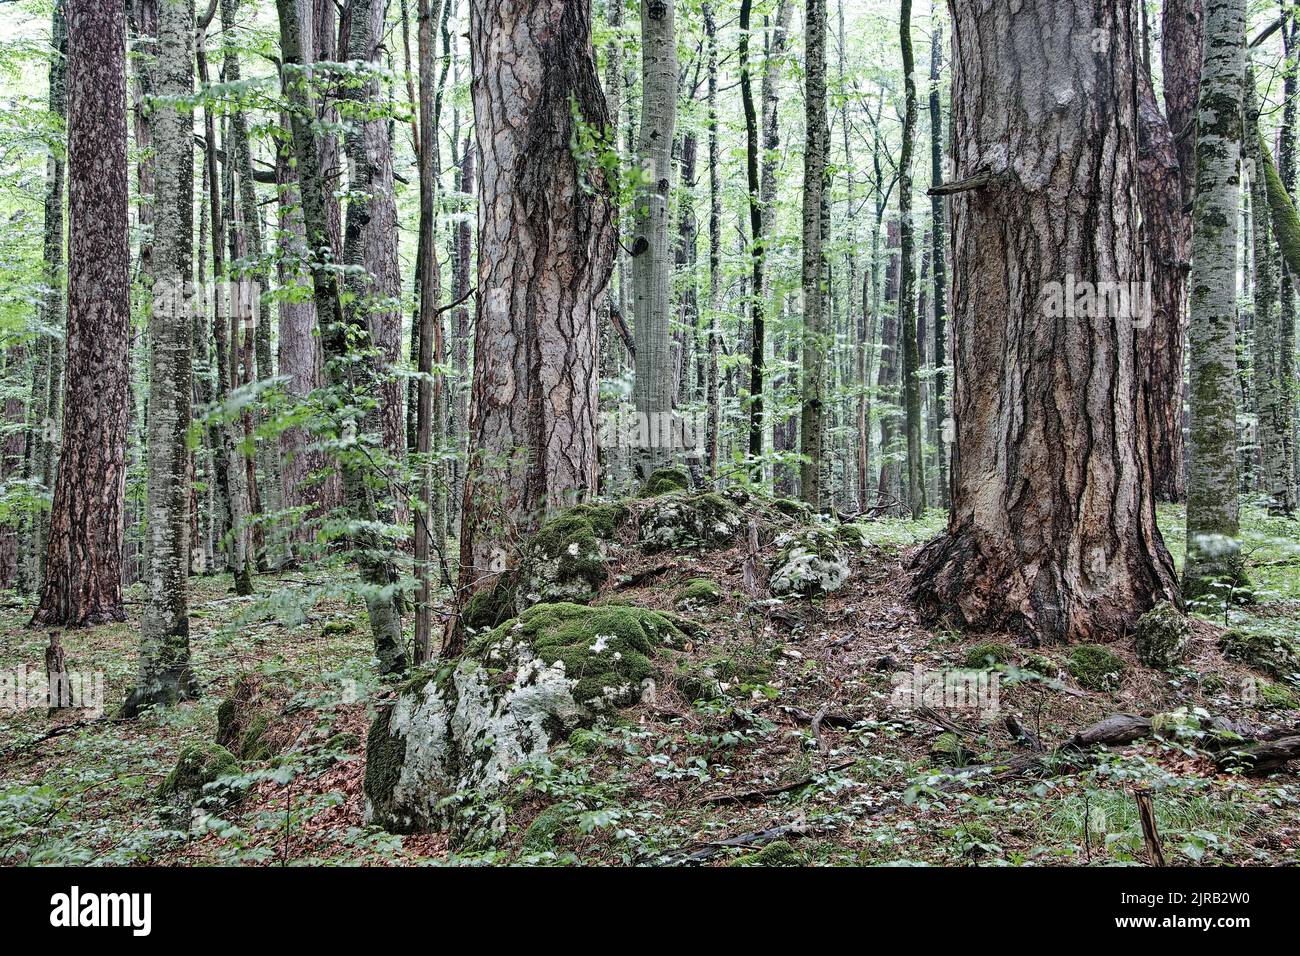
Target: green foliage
[[1095, 667], [983, 656]]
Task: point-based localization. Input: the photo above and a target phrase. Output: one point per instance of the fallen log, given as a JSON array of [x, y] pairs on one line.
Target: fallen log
[[1260, 757]]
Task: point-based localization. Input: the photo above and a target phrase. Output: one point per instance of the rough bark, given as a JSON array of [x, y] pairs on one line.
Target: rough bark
[[83, 583], [817, 145], [546, 243], [1212, 508], [1052, 533], [939, 267], [911, 378]]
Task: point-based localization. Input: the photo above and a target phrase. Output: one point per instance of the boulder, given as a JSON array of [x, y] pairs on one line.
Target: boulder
[[1163, 634], [458, 729], [811, 561], [1095, 667], [664, 481], [1267, 651], [684, 520], [195, 780]]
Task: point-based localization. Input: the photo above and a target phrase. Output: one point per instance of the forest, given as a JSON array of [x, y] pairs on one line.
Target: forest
[[723, 433]]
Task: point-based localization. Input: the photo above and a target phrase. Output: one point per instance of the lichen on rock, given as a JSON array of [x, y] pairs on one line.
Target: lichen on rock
[[1162, 636], [519, 689], [1267, 651], [250, 719], [684, 520], [811, 561]]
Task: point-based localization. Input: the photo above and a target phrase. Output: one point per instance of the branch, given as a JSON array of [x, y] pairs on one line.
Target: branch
[[978, 181]]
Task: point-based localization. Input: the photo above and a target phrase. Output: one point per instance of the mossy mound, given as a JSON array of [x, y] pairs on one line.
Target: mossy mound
[[250, 720], [563, 561], [1095, 667], [776, 853], [607, 649], [199, 766], [1277, 697], [793, 508], [683, 520], [490, 606], [665, 481], [984, 656], [853, 535], [809, 562], [1162, 637], [1264, 650], [699, 592]]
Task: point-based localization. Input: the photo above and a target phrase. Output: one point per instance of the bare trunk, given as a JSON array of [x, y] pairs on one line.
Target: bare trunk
[[812, 385]]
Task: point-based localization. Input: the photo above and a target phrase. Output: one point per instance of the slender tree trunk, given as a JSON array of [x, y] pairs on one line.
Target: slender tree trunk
[[907, 278], [164, 675], [939, 267], [651, 250], [546, 245], [1213, 556], [83, 579], [817, 145], [1286, 161], [1053, 532], [757, 305], [713, 439], [346, 340]]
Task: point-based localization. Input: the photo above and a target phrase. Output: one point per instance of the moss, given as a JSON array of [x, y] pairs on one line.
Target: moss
[[604, 518], [776, 853], [489, 606], [198, 766], [245, 717], [853, 535], [665, 481], [1162, 636], [385, 754], [1043, 666], [1095, 667], [683, 520], [792, 508], [1267, 651], [1286, 224], [342, 742], [546, 826], [252, 745], [982, 656], [564, 560], [809, 562], [606, 649], [699, 592], [1277, 697], [336, 628]]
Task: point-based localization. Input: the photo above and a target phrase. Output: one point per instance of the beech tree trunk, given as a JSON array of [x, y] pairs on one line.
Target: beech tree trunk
[[939, 267], [907, 280], [1213, 551], [546, 245], [83, 575], [712, 396], [651, 249], [1052, 533], [164, 674]]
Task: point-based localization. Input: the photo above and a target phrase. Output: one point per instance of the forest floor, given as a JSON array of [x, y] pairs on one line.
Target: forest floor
[[807, 735]]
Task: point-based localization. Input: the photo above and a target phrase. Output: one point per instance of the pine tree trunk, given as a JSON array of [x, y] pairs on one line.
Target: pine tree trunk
[[651, 250], [546, 245], [817, 145], [1053, 532], [83, 578], [1213, 561], [164, 675]]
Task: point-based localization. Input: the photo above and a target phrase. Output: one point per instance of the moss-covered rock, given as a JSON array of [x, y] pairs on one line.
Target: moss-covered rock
[[1096, 667], [793, 508], [1163, 634], [853, 534], [984, 656], [195, 778], [699, 592], [809, 562], [1277, 696], [664, 481], [1267, 651], [517, 690], [563, 561], [682, 520], [251, 719], [491, 605], [776, 853]]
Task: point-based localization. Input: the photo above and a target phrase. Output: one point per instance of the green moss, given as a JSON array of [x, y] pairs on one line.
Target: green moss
[[792, 508], [1277, 697], [342, 742], [245, 716], [546, 826], [683, 520], [336, 628], [1162, 636], [664, 481], [1265, 650], [564, 561], [1043, 666], [699, 592], [252, 746], [605, 518], [607, 649], [776, 853], [198, 766], [489, 606], [1095, 667], [853, 535], [983, 656], [385, 754], [1286, 224]]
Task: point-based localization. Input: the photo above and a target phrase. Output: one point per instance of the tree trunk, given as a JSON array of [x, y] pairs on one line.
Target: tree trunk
[[345, 338], [164, 675], [713, 438], [1213, 555], [83, 580], [907, 278], [939, 268], [1053, 532], [651, 250], [817, 145], [546, 244], [1286, 161]]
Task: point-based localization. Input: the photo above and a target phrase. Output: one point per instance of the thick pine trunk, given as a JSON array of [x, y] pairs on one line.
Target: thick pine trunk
[[1213, 556], [546, 244], [1053, 532], [83, 579]]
